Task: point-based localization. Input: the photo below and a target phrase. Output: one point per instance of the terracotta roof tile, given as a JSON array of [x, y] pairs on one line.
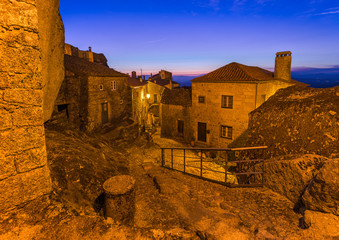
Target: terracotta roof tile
[[134, 82], [84, 67], [236, 72]]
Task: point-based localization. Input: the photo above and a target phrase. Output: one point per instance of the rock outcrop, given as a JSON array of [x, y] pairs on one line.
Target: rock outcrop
[[322, 194], [25, 52], [52, 40], [297, 120], [290, 177]]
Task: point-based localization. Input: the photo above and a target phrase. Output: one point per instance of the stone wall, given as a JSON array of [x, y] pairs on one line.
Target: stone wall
[[246, 97], [118, 100], [211, 112], [297, 120], [70, 107], [169, 125], [24, 174]]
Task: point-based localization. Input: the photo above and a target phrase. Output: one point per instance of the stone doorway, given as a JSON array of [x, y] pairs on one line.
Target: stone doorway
[[104, 113]]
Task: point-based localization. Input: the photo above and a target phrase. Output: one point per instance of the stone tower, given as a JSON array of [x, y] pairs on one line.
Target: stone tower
[[282, 68]]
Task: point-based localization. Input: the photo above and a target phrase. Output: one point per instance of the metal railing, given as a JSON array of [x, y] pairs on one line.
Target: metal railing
[[234, 167]]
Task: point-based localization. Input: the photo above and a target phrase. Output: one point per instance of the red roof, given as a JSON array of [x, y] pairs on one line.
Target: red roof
[[236, 72]]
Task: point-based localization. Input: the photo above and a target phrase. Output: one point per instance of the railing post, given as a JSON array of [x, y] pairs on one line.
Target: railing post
[[162, 157], [184, 161], [201, 163], [172, 157], [225, 166], [263, 166]]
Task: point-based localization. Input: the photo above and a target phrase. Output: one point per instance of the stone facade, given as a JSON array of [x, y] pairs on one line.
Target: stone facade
[[175, 114], [24, 174], [91, 95], [147, 96], [222, 100]]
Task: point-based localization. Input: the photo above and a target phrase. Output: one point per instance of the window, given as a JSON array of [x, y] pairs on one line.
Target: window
[[226, 132], [201, 99], [101, 87], [226, 101], [155, 98], [113, 85]]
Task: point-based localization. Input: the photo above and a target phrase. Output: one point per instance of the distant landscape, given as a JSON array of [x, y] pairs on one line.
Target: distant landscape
[[315, 77]]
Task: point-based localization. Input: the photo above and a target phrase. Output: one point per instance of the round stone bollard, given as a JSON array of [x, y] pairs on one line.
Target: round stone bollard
[[119, 198]]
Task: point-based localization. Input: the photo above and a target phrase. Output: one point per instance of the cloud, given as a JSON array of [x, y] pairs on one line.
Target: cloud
[[327, 12]]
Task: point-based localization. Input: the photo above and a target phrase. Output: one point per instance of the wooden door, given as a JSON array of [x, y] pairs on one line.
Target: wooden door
[[201, 132], [104, 113]]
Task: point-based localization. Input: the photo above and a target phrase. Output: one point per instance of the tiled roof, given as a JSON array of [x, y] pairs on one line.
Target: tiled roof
[[134, 82], [177, 96], [84, 67], [162, 82], [236, 72]]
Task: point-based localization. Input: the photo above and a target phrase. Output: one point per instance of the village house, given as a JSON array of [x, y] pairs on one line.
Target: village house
[[222, 100], [175, 109], [147, 96], [91, 94]]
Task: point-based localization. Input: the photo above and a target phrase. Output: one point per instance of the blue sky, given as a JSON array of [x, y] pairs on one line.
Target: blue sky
[[195, 36]]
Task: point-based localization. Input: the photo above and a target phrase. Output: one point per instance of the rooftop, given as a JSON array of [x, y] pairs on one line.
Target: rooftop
[[236, 72], [135, 82], [84, 67]]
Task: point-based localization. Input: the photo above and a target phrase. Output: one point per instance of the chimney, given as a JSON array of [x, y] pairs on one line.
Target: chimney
[[90, 56], [282, 69], [90, 49], [162, 74], [134, 74], [143, 77], [140, 78]]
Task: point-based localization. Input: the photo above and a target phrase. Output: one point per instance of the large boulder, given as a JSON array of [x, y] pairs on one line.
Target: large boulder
[[52, 42], [297, 120], [289, 177], [322, 194]]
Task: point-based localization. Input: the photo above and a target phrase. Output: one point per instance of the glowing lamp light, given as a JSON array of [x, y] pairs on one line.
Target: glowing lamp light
[[148, 95]]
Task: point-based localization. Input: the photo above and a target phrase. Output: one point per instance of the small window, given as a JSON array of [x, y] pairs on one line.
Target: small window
[[155, 98], [226, 132], [226, 101], [101, 87], [201, 99], [113, 85]]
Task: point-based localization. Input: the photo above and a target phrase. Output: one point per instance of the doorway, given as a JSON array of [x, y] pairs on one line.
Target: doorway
[[104, 113], [201, 132]]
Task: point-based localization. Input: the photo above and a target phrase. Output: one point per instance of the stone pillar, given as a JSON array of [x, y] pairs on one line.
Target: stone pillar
[[119, 198]]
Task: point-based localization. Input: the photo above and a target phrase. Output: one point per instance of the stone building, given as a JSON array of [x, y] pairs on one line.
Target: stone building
[[222, 99], [147, 96], [136, 84], [92, 94], [30, 77], [175, 109]]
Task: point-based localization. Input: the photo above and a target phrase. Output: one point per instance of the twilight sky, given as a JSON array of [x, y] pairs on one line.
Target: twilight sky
[[196, 36]]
